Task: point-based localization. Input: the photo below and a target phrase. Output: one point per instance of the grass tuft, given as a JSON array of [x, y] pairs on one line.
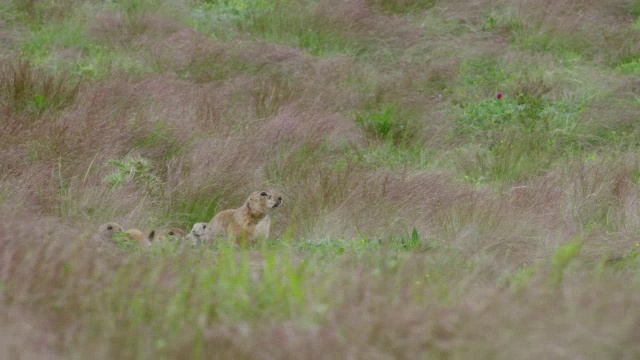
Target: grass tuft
[[386, 122], [403, 6], [31, 90], [561, 259], [135, 170]]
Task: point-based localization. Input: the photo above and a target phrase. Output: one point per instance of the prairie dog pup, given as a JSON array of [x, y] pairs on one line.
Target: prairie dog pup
[[242, 223], [166, 234], [197, 231]]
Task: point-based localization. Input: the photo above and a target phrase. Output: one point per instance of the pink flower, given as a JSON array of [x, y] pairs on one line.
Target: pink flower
[[499, 96]]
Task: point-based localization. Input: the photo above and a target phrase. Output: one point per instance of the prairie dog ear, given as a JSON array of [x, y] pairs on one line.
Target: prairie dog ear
[[152, 234]]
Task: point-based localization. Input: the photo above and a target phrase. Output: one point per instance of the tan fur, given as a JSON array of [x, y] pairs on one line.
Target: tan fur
[[168, 233], [263, 228], [138, 236], [244, 223]]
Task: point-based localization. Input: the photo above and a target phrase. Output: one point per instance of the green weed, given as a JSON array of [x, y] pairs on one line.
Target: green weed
[[99, 62], [135, 13], [387, 154], [192, 208], [66, 47], [327, 248], [214, 11], [519, 279], [281, 287], [212, 67], [386, 122], [161, 139], [628, 261], [410, 242], [403, 6], [133, 170], [508, 134], [297, 26], [502, 19], [124, 242], [46, 40], [561, 259], [481, 76], [29, 89], [634, 8], [518, 136], [488, 117], [631, 67], [37, 12], [180, 291]]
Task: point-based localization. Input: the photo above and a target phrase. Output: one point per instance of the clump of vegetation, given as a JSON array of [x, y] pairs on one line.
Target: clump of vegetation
[[133, 170], [404, 6], [124, 242], [28, 89], [487, 118], [232, 10], [561, 259], [387, 122]]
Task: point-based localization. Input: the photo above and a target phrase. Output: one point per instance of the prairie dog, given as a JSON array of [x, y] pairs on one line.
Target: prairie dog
[[197, 231], [138, 236], [166, 234], [108, 230], [243, 223], [263, 228]]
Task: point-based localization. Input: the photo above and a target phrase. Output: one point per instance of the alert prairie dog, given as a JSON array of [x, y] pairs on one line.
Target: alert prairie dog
[[166, 234], [244, 223], [263, 228], [197, 231]]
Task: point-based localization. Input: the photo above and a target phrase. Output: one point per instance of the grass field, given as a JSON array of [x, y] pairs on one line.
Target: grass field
[[461, 179]]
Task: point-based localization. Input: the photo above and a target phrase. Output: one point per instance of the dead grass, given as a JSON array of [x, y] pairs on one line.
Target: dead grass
[[425, 316]]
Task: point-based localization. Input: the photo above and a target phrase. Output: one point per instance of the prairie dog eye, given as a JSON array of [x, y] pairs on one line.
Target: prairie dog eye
[[204, 226], [170, 232], [263, 194], [109, 227], [280, 198]]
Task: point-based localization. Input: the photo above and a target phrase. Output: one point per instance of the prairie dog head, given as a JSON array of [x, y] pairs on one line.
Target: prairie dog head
[[106, 231], [167, 234], [198, 229], [263, 201]]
